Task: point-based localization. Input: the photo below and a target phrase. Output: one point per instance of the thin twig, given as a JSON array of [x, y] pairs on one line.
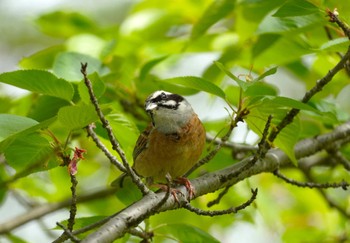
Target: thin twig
[[72, 212], [212, 213], [331, 202], [103, 148], [68, 233], [217, 148], [337, 155], [218, 199], [112, 138], [334, 18], [73, 206], [260, 153], [344, 185], [320, 84]]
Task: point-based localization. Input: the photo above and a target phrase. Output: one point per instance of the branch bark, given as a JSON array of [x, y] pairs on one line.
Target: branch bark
[[118, 225]]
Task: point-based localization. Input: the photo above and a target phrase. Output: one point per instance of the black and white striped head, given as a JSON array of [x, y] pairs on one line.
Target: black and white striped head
[[169, 112]]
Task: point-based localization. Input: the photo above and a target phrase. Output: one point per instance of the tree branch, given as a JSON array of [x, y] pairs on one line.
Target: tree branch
[[117, 226], [115, 144]]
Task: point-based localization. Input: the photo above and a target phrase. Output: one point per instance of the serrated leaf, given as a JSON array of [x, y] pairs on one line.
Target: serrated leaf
[[296, 8], [98, 87], [77, 117], [196, 83], [244, 85], [187, 233], [12, 124], [67, 65], [28, 153], [39, 81], [46, 107], [21, 131], [215, 12]]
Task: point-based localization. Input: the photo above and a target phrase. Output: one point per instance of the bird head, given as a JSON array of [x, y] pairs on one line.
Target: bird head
[[169, 112]]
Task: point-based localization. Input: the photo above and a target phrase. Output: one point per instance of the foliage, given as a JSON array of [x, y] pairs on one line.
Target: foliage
[[253, 55]]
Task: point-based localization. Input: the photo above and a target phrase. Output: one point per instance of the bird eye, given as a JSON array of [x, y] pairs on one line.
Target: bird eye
[[163, 96]]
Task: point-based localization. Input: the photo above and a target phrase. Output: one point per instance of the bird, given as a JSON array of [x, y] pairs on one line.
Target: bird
[[173, 141]]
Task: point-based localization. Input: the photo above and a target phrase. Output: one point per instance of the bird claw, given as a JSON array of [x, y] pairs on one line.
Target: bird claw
[[186, 182], [172, 191]]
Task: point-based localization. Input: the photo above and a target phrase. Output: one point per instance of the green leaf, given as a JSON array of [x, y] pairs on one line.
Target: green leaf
[[216, 11], [287, 25], [42, 59], [196, 83], [65, 24], [16, 123], [259, 110], [12, 124], [265, 74], [77, 117], [67, 65], [46, 107], [126, 191], [149, 65], [339, 44], [244, 85], [187, 233], [29, 153], [281, 102], [260, 89], [39, 81], [98, 87], [296, 8], [263, 43]]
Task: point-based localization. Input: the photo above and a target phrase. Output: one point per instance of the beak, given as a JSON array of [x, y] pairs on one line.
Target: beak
[[149, 107]]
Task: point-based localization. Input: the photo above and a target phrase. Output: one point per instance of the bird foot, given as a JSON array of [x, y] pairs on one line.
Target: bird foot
[[186, 182], [173, 191]]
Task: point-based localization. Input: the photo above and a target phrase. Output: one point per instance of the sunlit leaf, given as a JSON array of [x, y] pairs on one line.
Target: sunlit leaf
[[42, 59], [244, 85], [265, 74], [77, 117], [67, 65], [196, 83], [12, 124], [39, 81]]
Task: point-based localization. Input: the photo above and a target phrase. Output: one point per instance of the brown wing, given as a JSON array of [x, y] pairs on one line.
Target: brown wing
[[141, 142]]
